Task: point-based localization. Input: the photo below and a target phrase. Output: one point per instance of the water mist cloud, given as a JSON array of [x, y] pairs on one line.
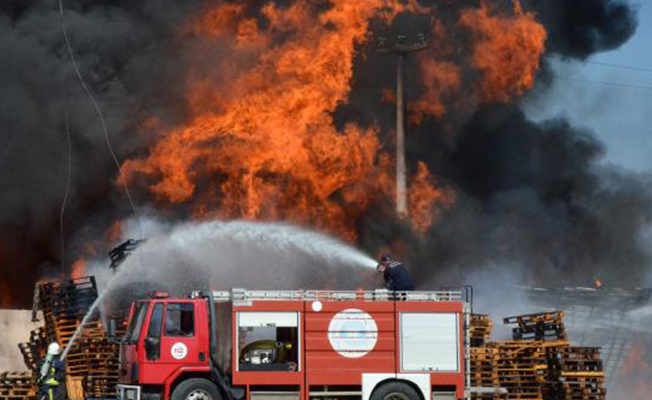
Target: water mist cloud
[[221, 255]]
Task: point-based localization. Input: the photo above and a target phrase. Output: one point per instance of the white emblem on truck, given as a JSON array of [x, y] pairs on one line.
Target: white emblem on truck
[[179, 351], [352, 333]]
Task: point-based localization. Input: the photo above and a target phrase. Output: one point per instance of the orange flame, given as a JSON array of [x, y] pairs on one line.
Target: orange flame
[[439, 78], [507, 50], [265, 146], [114, 232], [422, 197], [78, 268]]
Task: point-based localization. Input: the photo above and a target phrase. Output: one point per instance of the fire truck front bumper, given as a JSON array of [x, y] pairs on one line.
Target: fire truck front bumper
[[129, 392]]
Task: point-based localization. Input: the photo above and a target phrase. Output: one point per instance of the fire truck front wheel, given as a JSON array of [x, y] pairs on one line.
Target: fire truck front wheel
[[196, 389], [395, 391]]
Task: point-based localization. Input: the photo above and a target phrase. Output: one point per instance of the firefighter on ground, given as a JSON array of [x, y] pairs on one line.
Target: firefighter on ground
[[52, 375], [396, 276]]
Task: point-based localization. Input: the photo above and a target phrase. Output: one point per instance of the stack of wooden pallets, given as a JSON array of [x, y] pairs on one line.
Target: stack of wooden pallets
[[575, 373], [92, 364], [17, 386], [539, 364], [480, 329], [94, 358], [483, 370], [541, 326], [483, 358], [521, 368], [64, 304]]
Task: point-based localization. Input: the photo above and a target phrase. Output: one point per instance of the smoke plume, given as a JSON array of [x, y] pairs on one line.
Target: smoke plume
[[578, 29]]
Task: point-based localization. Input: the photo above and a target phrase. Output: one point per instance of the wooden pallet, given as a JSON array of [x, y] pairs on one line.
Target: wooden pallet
[[540, 326], [535, 318], [17, 385]]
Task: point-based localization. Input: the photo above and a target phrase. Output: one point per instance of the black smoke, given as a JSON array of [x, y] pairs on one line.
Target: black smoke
[[580, 28], [535, 195], [126, 53]]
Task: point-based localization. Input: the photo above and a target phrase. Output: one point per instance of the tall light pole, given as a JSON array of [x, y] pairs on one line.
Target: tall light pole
[[401, 48]]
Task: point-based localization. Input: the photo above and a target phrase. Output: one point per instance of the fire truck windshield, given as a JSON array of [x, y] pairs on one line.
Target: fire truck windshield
[[136, 324]]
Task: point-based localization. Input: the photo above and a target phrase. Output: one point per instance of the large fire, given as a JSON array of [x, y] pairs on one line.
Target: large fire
[[261, 142]]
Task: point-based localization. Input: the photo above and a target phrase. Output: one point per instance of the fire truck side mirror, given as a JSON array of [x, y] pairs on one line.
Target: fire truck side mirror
[[111, 330]]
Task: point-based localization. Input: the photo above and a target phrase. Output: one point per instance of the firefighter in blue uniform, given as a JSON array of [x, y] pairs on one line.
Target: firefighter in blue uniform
[[52, 375], [397, 278]]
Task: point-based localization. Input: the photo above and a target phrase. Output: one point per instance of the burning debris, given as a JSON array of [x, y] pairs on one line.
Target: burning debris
[[120, 253]]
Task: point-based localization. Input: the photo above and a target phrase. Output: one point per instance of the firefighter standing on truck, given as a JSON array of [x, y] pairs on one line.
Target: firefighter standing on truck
[[52, 375], [397, 278]]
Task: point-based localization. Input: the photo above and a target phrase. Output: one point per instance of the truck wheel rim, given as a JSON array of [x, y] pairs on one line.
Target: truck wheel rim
[[396, 396], [199, 394]]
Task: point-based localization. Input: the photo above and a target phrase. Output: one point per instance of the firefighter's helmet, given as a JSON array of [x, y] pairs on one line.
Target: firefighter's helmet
[[54, 349]]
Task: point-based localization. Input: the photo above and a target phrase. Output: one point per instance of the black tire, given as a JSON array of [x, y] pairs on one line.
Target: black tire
[[196, 389], [395, 391]]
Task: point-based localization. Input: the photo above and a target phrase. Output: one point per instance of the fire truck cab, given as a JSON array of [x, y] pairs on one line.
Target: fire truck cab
[[296, 345]]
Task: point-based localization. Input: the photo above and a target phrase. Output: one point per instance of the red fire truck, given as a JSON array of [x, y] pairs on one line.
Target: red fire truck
[[296, 345]]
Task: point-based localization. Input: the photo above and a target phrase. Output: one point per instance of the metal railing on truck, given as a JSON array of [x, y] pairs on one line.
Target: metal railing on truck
[[335, 295]]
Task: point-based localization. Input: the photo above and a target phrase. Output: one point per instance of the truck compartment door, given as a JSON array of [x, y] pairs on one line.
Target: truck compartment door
[[430, 342]]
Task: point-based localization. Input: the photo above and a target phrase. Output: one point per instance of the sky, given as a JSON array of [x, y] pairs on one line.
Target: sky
[[620, 116]]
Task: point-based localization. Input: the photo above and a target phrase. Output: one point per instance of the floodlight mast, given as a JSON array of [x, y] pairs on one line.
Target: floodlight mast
[[401, 48]]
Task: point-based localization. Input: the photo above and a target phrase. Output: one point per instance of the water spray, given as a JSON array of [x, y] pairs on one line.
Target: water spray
[[289, 241], [282, 237]]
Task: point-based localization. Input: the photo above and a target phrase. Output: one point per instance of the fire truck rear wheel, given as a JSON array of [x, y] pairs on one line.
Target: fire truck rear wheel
[[196, 389], [395, 391]]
